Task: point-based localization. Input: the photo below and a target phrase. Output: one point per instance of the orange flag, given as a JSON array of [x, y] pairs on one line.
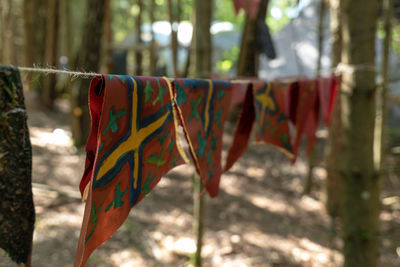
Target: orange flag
[[136, 144], [205, 107], [264, 104], [304, 113]]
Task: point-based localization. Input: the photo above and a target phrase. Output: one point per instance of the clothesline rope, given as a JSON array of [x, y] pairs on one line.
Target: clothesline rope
[[342, 67]]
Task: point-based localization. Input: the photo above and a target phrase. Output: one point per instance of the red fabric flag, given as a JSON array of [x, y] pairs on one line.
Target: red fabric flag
[[239, 91], [249, 6], [205, 107], [264, 104], [327, 91], [304, 112], [272, 124], [136, 145], [243, 129]]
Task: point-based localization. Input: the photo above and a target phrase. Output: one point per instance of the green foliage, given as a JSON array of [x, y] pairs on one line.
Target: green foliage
[[275, 23], [229, 60], [396, 39]]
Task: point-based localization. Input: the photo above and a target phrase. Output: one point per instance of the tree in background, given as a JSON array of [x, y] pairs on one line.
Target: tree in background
[[174, 19], [361, 204], [335, 142], [139, 49], [320, 38], [88, 59], [202, 54], [48, 92], [248, 57]]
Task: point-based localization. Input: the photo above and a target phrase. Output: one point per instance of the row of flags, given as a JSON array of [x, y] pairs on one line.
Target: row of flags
[[134, 141], [134, 137]]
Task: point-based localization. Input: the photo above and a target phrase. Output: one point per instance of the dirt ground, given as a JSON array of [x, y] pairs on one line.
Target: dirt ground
[[259, 218]]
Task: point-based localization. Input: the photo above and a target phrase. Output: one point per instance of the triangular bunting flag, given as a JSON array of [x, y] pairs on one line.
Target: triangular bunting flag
[[243, 128], [327, 91], [304, 113], [136, 146], [272, 124], [205, 106]]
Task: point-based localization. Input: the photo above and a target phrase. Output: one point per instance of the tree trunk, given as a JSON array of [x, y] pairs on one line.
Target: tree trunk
[[199, 217], [174, 20], [335, 141], [248, 57], [311, 161], [29, 18], [8, 42], [361, 206], [88, 59], [108, 35], [381, 116], [202, 38], [49, 84], [202, 62], [153, 55], [34, 12], [139, 52]]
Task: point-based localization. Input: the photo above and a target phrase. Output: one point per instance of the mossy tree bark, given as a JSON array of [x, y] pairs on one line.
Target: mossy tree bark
[[88, 59], [361, 206]]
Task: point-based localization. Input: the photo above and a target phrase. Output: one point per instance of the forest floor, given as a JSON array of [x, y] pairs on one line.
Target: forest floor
[[259, 218]]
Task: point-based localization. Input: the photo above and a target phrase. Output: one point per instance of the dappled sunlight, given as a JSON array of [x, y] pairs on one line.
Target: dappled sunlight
[[298, 249], [182, 245], [52, 140], [127, 258], [272, 205]]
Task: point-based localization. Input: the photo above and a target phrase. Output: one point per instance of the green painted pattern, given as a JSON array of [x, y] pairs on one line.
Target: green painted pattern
[[195, 106], [202, 145], [148, 91], [146, 186], [156, 159], [112, 123], [118, 194], [161, 93]]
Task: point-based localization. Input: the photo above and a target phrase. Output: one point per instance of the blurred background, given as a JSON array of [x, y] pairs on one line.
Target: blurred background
[[268, 212]]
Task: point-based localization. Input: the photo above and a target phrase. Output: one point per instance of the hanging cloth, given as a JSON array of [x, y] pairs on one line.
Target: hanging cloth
[[17, 214], [243, 129], [304, 113], [205, 107], [327, 92], [135, 143], [272, 124], [264, 105]]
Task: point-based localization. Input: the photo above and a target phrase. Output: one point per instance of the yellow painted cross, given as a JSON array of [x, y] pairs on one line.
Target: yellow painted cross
[[266, 101], [137, 136]]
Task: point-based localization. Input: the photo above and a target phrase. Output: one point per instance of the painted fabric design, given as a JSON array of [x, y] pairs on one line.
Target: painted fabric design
[[17, 214], [327, 91], [272, 124], [136, 146], [304, 112], [96, 98], [205, 106], [264, 104]]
